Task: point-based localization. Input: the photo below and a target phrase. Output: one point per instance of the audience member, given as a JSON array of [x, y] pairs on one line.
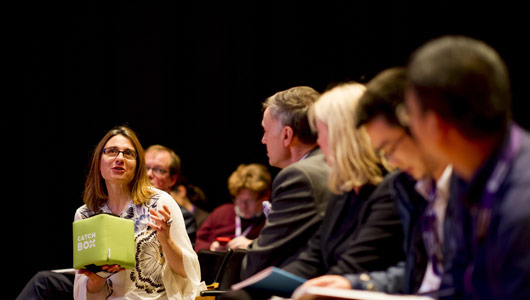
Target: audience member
[[376, 113], [299, 190], [242, 220], [361, 230], [192, 198], [163, 171], [117, 183], [458, 103]]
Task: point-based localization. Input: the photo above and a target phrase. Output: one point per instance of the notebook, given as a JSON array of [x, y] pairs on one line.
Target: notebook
[[272, 279]]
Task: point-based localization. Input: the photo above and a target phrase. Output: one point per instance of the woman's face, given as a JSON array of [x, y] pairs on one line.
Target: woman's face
[[118, 169], [249, 203]]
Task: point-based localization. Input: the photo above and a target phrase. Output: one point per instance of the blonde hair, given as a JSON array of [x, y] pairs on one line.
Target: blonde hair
[[96, 194], [353, 161], [255, 177]]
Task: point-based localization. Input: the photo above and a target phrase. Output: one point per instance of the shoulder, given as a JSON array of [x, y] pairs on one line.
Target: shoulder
[[160, 198], [223, 208], [391, 183], [515, 206], [315, 162], [83, 212], [311, 168]]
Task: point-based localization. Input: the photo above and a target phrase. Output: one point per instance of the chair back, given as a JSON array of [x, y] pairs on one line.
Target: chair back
[[232, 271], [212, 264]]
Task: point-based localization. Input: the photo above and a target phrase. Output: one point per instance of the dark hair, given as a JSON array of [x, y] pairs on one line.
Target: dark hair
[[464, 81], [291, 108], [382, 96]]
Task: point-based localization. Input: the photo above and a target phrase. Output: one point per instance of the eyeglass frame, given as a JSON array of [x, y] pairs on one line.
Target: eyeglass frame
[[395, 144], [156, 170], [131, 156]]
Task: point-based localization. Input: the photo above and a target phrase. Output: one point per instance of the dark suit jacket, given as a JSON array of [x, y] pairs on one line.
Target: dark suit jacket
[[298, 202], [191, 225], [359, 233]]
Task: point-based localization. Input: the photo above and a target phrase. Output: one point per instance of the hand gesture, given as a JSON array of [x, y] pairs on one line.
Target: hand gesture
[[162, 223]]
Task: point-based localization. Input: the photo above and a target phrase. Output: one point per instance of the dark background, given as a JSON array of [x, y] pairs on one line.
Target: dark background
[[192, 76]]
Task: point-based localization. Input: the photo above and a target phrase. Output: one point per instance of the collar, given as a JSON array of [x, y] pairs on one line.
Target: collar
[[426, 185], [309, 153]]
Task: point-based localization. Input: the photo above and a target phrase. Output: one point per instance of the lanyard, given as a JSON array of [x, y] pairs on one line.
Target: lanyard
[[430, 233], [238, 227], [488, 198]]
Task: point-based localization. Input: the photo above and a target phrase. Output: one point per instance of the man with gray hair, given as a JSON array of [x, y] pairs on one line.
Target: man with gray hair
[[299, 191]]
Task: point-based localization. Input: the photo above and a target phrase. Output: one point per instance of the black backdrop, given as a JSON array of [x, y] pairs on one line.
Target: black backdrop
[[192, 76]]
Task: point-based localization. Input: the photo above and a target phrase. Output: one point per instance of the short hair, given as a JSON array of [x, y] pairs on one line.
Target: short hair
[[354, 163], [96, 194], [174, 166], [464, 81], [255, 177], [290, 107], [384, 93]]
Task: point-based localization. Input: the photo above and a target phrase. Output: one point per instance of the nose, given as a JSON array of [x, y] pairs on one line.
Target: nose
[[119, 158], [149, 173]]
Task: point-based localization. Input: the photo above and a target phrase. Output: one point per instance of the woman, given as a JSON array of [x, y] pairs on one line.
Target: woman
[[166, 265], [241, 221]]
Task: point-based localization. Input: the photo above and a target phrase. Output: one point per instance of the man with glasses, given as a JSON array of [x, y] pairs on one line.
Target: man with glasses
[[163, 171], [380, 113]]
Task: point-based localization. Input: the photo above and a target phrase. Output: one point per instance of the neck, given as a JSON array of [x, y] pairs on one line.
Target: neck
[[299, 151], [119, 197], [471, 154], [438, 171]]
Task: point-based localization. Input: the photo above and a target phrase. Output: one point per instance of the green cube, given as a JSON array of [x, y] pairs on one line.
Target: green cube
[[104, 239]]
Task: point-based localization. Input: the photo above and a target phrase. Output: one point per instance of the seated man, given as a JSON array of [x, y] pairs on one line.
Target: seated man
[[458, 107], [299, 191], [163, 171]]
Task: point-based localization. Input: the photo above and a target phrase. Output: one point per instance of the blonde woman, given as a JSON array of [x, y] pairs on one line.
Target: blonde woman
[[361, 230], [166, 265]]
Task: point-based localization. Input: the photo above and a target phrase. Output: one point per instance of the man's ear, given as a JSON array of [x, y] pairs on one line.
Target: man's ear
[[173, 180], [437, 127], [287, 135]]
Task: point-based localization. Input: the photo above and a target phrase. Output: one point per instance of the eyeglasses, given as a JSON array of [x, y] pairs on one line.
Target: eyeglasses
[[157, 171], [114, 152], [387, 153]]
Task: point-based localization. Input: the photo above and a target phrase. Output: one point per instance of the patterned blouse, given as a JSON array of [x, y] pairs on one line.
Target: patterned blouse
[[152, 278]]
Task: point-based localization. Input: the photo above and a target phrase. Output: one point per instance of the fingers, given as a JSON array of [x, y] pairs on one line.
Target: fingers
[[161, 215], [160, 218], [112, 268]]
